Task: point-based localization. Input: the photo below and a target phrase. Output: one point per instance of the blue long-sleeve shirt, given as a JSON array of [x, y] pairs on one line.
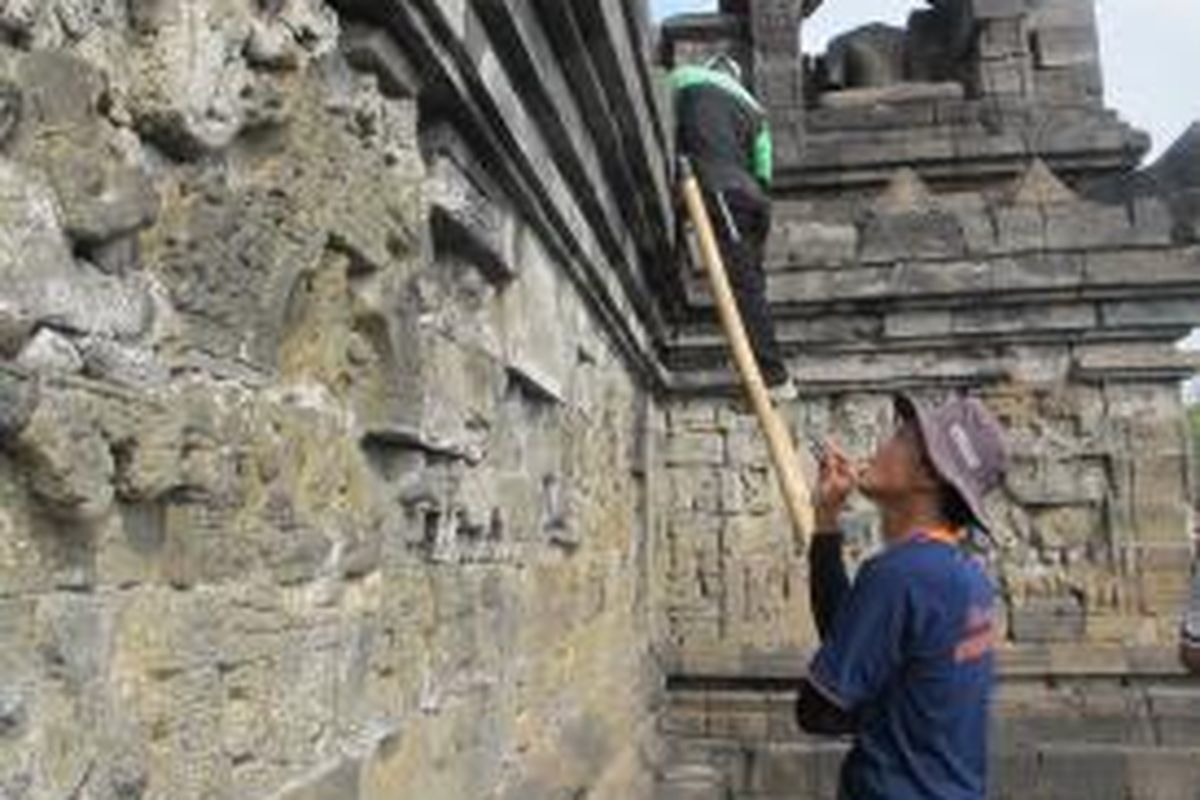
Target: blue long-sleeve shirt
[[906, 666]]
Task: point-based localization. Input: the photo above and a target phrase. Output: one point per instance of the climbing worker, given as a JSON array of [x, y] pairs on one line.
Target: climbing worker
[[1189, 645], [723, 129], [906, 664]]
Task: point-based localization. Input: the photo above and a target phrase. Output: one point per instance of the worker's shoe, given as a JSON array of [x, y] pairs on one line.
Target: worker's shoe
[[785, 392]]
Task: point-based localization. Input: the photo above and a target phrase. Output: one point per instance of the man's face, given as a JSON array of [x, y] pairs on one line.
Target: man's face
[[899, 468]]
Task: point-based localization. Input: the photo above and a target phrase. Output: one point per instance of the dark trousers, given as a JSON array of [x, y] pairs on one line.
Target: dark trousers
[[742, 223]]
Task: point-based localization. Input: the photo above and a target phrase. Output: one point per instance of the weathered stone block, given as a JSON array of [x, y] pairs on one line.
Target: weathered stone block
[[49, 350], [1010, 76], [812, 285], [18, 399], [41, 280], [1065, 47], [1047, 621], [912, 235], [1080, 772], [1168, 266], [104, 194], [201, 103], [1038, 271], [372, 50], [337, 780], [1067, 527], [109, 360], [69, 464], [1061, 317], [997, 9], [811, 244], [1020, 228], [1003, 37], [1176, 713], [684, 449], [918, 278], [918, 324], [469, 223], [1150, 312], [1062, 14]]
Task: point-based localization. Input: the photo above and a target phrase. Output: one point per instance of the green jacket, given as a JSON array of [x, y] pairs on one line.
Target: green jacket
[[723, 129]]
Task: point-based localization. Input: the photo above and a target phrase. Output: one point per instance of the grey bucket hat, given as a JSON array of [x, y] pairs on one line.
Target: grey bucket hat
[[966, 446]]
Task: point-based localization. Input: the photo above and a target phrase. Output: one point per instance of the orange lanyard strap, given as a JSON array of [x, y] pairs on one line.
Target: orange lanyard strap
[[942, 535]]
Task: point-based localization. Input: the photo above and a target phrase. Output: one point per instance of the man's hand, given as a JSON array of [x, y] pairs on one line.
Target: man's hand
[[836, 480]]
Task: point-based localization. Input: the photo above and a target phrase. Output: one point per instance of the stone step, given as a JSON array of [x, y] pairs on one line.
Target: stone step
[[1052, 771], [702, 367], [692, 781]]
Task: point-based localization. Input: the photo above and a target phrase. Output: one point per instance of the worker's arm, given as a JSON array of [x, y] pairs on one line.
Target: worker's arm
[[861, 653], [816, 713], [829, 587], [828, 583], [819, 710], [764, 156]]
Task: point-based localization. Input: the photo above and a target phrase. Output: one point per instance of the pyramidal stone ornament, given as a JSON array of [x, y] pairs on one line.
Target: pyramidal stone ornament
[[1039, 186], [906, 193]]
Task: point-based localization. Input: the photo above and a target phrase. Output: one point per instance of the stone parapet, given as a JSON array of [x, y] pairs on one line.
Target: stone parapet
[[1070, 738]]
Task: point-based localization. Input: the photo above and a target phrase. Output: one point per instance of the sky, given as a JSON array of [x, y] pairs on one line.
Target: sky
[[1151, 51]]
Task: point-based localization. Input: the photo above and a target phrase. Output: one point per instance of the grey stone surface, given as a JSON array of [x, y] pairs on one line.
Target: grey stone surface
[[43, 282], [102, 192], [132, 365], [18, 398], [304, 492], [371, 50], [1053, 621], [49, 350]]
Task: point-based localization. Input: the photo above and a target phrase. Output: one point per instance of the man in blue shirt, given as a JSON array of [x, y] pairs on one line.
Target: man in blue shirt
[[906, 661]]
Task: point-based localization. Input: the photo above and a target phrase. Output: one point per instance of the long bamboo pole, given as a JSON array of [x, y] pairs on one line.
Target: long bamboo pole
[[795, 490]]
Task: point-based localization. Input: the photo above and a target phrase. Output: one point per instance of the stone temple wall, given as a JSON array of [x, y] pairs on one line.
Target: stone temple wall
[[325, 411], [1039, 273], [1092, 547], [360, 438], [979, 227]]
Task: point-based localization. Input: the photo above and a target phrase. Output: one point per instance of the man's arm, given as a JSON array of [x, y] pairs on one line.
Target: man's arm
[[861, 653], [828, 582], [817, 709], [816, 713], [828, 587]]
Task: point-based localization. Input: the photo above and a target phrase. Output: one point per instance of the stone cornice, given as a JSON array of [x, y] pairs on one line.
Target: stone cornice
[[590, 180]]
